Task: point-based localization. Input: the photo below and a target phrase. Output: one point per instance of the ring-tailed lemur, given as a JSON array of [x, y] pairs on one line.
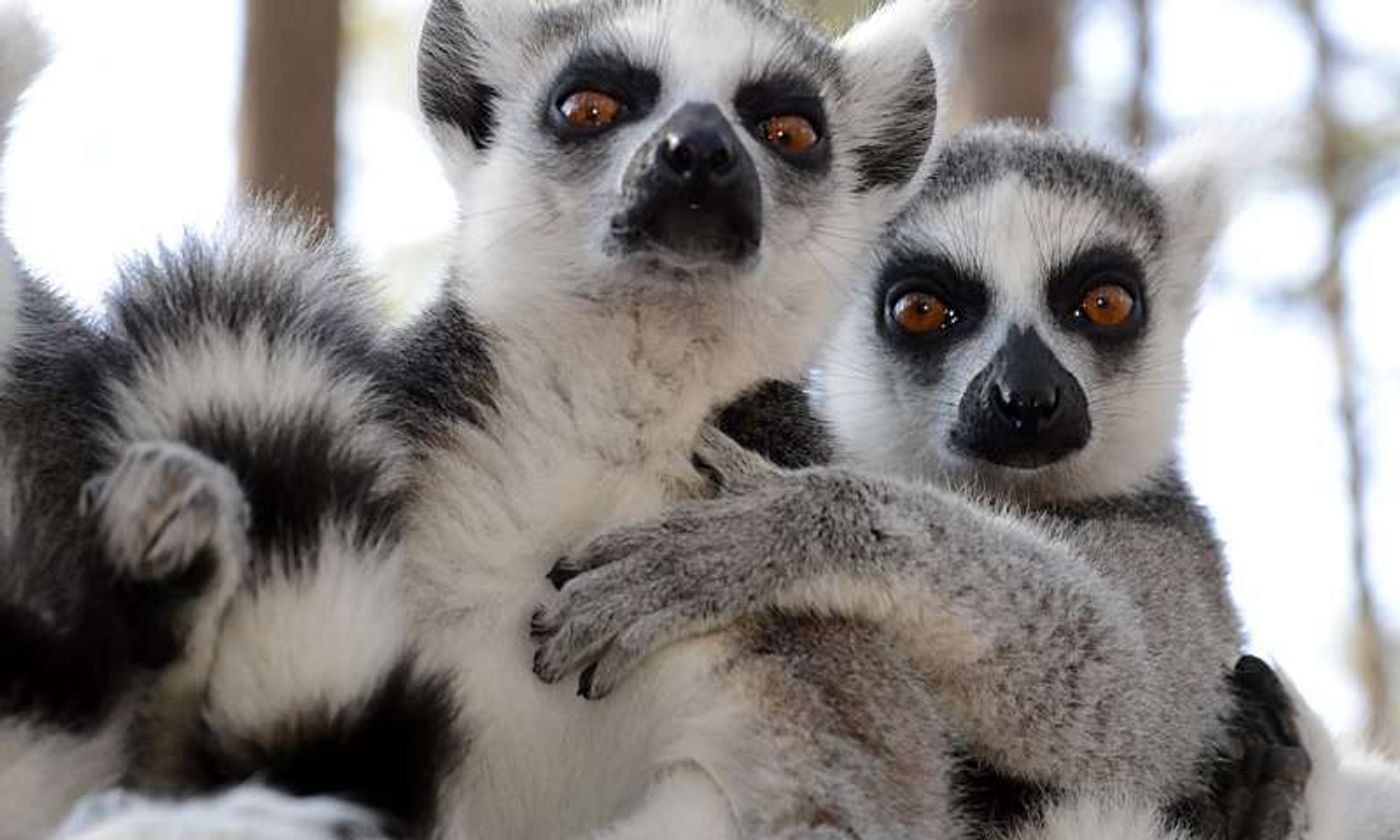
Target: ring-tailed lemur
[[64, 662], [226, 453], [689, 206], [124, 529], [655, 222], [1020, 342]]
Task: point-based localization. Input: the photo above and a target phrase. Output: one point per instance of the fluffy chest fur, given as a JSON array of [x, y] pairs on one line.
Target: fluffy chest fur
[[580, 441]]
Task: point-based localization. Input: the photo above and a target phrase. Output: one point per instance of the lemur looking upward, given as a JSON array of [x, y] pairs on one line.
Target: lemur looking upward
[[1008, 383]]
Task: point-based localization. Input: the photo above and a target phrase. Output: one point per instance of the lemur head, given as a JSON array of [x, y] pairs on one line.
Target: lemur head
[[1023, 332], [706, 166]]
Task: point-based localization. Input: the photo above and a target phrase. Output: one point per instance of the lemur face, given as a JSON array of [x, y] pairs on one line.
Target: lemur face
[[1023, 332], [673, 148]]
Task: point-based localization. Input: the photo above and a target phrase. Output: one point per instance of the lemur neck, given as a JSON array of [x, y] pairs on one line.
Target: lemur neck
[[590, 425], [619, 378]]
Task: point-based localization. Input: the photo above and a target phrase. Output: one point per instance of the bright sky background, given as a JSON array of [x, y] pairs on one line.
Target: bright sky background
[[130, 137]]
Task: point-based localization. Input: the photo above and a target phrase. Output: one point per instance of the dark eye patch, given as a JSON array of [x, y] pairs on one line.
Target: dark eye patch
[[786, 94], [1068, 283], [962, 288], [636, 88]]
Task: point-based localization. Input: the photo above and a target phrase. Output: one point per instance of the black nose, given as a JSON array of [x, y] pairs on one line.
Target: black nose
[[699, 147], [1028, 406], [1024, 410], [692, 190]]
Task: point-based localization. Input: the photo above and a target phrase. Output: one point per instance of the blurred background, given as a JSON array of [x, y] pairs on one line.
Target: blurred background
[[156, 113]]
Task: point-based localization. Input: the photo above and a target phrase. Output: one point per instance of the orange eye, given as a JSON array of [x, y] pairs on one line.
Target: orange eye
[[919, 312], [789, 132], [590, 109], [1108, 305]]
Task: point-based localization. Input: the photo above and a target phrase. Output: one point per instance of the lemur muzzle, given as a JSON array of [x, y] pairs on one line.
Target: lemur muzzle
[[696, 190]]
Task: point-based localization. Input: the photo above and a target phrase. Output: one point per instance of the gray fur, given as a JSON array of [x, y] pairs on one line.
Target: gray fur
[[1062, 698], [551, 364], [1050, 162], [1074, 627], [169, 517], [606, 364]]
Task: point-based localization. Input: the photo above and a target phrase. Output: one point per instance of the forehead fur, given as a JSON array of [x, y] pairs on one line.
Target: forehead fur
[[1046, 162], [574, 21]]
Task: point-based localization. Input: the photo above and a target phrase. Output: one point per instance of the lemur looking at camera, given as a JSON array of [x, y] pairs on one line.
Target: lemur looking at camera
[[1008, 382], [693, 205], [688, 208]]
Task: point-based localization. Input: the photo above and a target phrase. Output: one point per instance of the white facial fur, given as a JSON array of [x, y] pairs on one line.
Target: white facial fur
[[1011, 231], [533, 242]]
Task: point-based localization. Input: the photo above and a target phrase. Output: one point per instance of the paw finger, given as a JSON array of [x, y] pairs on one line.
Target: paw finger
[[587, 559], [730, 466], [610, 548], [544, 622], [566, 651], [1269, 815], [90, 497], [633, 645]]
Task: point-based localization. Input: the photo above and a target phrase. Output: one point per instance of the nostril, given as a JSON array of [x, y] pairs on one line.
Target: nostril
[[1029, 408], [720, 160], [679, 154], [1001, 399]]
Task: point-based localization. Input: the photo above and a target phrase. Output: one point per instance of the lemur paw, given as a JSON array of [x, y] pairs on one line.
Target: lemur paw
[[730, 467], [244, 812], [1266, 799], [613, 609], [641, 587], [1259, 785], [160, 506]]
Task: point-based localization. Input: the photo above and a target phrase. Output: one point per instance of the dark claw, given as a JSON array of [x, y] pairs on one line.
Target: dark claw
[[1264, 703], [559, 575], [585, 681], [538, 666], [538, 629], [1287, 766], [708, 470]]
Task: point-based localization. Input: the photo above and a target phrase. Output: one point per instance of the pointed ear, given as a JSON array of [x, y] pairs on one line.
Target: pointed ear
[[459, 68], [893, 96], [23, 53], [1197, 178]]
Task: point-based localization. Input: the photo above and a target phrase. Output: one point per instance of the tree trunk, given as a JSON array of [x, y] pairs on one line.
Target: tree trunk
[[1139, 121], [287, 123], [1382, 733], [1011, 54]]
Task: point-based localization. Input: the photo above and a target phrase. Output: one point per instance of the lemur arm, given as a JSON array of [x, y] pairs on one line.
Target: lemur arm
[[1045, 665]]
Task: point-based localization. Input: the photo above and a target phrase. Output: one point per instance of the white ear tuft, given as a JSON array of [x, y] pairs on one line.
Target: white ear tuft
[[894, 92], [23, 53], [465, 57], [1201, 175], [920, 19]]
